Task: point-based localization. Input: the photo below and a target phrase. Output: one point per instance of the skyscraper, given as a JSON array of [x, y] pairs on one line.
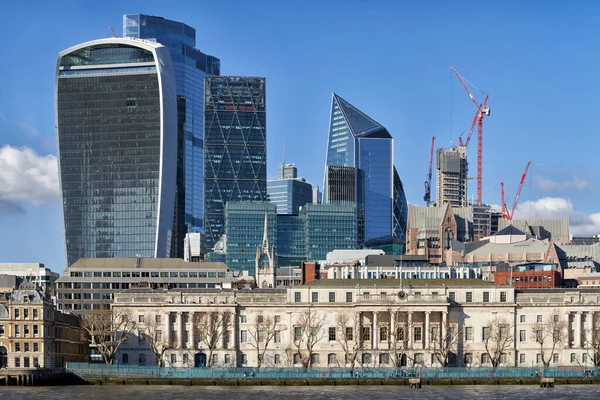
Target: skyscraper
[[190, 66], [288, 191], [358, 141], [116, 124], [235, 147], [452, 170]]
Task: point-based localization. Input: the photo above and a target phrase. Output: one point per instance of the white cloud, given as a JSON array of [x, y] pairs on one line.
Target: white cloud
[[25, 176], [581, 224], [549, 185]]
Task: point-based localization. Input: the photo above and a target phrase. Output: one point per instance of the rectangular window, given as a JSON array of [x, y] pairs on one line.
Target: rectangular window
[[469, 297], [17, 347], [418, 333], [349, 333], [366, 333], [555, 358], [503, 358], [141, 318], [522, 335], [277, 337], [331, 334], [332, 297], [243, 319], [348, 297], [503, 297], [26, 313], [17, 362], [452, 296], [26, 347], [297, 333], [539, 318], [35, 313], [36, 362], [297, 297], [383, 333], [522, 358], [260, 319], [26, 329], [17, 313], [486, 297], [469, 333], [585, 358], [315, 297], [1, 330], [244, 359], [522, 318], [538, 358], [485, 358], [243, 336], [36, 347], [485, 332], [173, 358], [573, 358]]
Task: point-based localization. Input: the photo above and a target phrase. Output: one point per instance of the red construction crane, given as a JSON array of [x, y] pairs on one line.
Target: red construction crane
[[427, 196], [482, 110], [113, 32], [505, 213]]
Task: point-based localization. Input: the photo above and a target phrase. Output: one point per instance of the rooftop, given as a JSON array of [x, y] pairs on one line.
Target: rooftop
[[398, 283], [145, 263]]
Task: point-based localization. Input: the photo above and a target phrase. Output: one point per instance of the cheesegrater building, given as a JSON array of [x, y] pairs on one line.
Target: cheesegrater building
[[116, 126]]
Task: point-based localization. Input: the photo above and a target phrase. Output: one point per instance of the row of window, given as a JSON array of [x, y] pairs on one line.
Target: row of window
[[28, 362], [27, 329], [127, 285], [26, 347], [150, 274], [315, 297], [349, 297], [25, 312]]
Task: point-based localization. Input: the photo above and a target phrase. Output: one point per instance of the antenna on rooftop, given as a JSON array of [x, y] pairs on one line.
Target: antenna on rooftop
[[283, 151]]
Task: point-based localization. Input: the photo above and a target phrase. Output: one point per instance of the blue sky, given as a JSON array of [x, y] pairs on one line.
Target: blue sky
[[536, 59]]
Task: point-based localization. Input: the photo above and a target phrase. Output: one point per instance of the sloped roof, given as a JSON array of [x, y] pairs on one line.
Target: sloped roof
[[525, 246], [509, 230], [360, 123], [558, 228]]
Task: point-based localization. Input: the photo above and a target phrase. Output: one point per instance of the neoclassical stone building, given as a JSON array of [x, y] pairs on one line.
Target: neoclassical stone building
[[370, 323]]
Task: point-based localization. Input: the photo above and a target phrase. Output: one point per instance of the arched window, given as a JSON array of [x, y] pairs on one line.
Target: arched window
[[331, 359], [314, 359], [384, 359], [468, 358]]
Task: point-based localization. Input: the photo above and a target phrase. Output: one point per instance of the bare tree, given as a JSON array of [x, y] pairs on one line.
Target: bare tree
[[444, 345], [107, 330], [311, 332], [548, 335], [210, 328], [348, 336], [397, 341], [154, 334], [264, 331], [498, 339], [592, 341]]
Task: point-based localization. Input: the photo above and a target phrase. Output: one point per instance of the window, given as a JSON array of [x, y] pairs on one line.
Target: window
[[573, 358], [332, 297], [485, 333], [469, 297], [315, 297], [384, 358], [35, 313], [297, 297], [297, 333], [243, 319], [468, 358], [585, 358], [469, 333], [1, 330], [277, 337], [141, 318], [485, 358], [331, 334], [522, 358], [348, 297], [419, 358], [158, 318], [555, 358], [244, 359], [538, 358], [277, 319], [17, 313], [556, 317], [26, 329], [173, 358], [243, 336], [366, 358], [215, 359], [452, 296], [260, 319], [296, 358], [158, 335], [522, 318], [539, 318], [383, 333], [349, 333], [522, 335], [26, 312], [503, 297], [486, 297], [331, 359], [314, 359], [141, 337], [17, 362], [227, 359], [26, 347], [36, 347], [400, 333], [503, 358], [17, 347], [417, 333], [276, 359], [36, 362], [125, 358], [366, 333]]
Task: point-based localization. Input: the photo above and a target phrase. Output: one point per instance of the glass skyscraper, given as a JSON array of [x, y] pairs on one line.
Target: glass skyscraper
[[190, 66], [288, 191], [328, 227], [116, 125], [235, 147], [358, 141]]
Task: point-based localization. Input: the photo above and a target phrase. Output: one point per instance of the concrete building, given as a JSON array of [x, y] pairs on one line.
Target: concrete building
[[452, 169], [33, 334], [380, 322], [192, 247], [557, 230], [35, 272]]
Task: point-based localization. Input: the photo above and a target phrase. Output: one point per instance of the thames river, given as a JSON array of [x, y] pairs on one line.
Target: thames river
[[313, 393]]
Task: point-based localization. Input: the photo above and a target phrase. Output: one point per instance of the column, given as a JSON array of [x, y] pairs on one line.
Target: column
[[410, 331], [359, 335], [375, 331], [578, 330], [192, 331], [393, 327], [427, 330], [168, 328], [234, 332], [179, 326], [444, 324], [224, 330]]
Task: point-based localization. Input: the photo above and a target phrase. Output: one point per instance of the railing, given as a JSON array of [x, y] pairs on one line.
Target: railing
[[85, 370]]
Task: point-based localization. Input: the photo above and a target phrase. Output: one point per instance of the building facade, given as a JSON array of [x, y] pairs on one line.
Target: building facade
[[357, 141], [33, 334], [289, 194], [371, 323], [116, 124], [235, 147], [452, 170], [190, 66]]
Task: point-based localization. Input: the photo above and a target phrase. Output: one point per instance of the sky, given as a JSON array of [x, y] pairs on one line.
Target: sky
[[537, 60]]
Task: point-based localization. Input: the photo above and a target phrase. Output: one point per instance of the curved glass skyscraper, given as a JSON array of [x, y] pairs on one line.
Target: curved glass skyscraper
[[116, 125], [357, 141]]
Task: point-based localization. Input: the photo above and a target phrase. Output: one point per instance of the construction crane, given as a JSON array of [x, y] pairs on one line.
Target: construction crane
[[427, 196], [482, 110], [113, 32], [509, 214]]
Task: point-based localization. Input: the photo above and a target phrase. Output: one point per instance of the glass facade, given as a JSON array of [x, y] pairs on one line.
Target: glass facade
[[190, 66], [116, 149], [245, 226], [358, 141], [235, 147], [291, 247], [289, 194], [328, 227]]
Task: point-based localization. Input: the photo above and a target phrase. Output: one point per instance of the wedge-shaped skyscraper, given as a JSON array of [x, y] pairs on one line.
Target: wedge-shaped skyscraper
[[358, 141], [116, 123]]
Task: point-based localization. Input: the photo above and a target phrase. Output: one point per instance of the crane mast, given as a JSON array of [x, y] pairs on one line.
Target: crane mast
[[427, 196], [506, 214]]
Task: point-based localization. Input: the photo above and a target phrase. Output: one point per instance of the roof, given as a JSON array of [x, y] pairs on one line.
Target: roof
[[398, 283], [145, 263], [428, 219], [509, 230], [391, 259], [558, 228], [524, 246], [360, 123]]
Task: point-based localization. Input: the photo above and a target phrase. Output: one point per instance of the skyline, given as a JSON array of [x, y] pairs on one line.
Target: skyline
[[530, 59]]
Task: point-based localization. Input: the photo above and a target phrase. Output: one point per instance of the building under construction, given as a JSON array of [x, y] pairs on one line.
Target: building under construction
[[452, 169]]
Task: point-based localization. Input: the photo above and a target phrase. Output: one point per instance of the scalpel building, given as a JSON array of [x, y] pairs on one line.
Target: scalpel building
[[116, 125]]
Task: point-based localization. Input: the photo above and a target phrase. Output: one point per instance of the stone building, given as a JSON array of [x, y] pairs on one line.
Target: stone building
[[34, 334], [364, 323]]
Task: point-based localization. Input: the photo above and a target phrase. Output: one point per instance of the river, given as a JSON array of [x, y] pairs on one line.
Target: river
[[289, 393]]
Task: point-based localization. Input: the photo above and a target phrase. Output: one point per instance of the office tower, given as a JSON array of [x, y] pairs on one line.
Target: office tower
[[291, 246], [288, 191], [329, 227], [235, 147], [287, 171], [190, 66], [245, 223], [116, 124], [357, 141], [452, 169]]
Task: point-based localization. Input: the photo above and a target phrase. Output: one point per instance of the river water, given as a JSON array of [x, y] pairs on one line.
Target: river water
[[312, 393]]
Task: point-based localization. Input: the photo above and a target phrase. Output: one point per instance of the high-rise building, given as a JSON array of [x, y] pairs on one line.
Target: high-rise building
[[452, 169], [291, 247], [287, 171], [358, 141], [235, 147], [288, 191], [116, 124], [190, 66], [329, 227]]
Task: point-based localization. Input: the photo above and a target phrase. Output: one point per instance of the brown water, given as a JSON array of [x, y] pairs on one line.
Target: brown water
[[312, 393]]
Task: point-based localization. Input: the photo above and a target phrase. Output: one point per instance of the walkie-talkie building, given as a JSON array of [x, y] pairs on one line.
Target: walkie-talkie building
[[116, 125]]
